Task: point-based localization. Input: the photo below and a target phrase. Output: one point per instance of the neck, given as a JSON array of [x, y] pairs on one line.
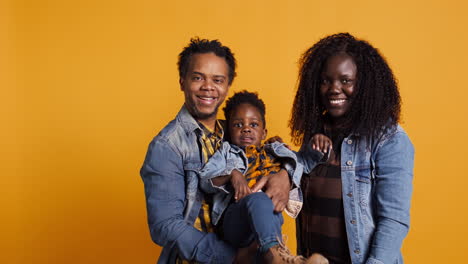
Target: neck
[[209, 123], [337, 124]]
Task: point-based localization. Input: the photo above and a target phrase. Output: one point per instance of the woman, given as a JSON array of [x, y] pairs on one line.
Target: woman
[[357, 203]]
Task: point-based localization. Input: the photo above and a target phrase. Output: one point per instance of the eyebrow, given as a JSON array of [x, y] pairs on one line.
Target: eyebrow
[[342, 75], [253, 118], [217, 76]]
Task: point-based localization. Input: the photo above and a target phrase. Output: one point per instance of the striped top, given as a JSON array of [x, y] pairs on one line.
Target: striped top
[[321, 225]]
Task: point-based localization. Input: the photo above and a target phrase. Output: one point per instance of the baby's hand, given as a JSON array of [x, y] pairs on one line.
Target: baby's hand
[[239, 183], [321, 143]]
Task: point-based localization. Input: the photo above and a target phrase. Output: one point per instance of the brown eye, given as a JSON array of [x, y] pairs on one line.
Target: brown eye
[[346, 81]]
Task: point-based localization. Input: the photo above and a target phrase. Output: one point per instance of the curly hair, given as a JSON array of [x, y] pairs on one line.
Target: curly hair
[[376, 103], [198, 45], [243, 97]]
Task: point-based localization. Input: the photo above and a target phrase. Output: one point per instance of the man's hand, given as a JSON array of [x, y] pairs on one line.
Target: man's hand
[[240, 185], [277, 187]]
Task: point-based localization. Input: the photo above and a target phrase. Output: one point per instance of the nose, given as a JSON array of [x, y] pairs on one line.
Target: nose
[[334, 87], [245, 129], [207, 84]]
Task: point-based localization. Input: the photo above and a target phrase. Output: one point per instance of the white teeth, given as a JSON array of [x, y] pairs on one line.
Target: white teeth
[[338, 101], [206, 98]]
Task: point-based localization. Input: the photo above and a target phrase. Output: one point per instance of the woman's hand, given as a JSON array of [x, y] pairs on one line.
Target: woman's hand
[[321, 143]]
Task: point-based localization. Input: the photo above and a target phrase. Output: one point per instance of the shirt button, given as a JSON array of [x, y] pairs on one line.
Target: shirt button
[[353, 222], [349, 163], [357, 251], [349, 141], [350, 194]]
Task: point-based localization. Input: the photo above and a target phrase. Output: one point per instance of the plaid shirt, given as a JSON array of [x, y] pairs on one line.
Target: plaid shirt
[[211, 140], [260, 164]]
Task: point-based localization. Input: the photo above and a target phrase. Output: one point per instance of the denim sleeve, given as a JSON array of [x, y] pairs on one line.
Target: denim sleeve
[[222, 163], [393, 189], [163, 177], [308, 157]]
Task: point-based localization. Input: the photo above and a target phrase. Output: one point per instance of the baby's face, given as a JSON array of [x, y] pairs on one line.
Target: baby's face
[[246, 126]]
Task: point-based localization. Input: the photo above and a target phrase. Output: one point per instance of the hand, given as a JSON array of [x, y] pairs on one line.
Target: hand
[[277, 139], [239, 183], [321, 143], [277, 187]]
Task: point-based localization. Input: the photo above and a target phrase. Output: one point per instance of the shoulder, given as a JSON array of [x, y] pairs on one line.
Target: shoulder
[[395, 138], [278, 148], [176, 136]]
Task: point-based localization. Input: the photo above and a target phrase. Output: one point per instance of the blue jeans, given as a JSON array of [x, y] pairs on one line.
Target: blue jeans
[[252, 218]]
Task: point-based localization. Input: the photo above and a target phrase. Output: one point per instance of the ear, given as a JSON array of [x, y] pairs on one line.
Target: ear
[[265, 132], [181, 83]]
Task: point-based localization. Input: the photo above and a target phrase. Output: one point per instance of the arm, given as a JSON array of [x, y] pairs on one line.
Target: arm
[[277, 187], [393, 188], [164, 180], [217, 171], [309, 157]]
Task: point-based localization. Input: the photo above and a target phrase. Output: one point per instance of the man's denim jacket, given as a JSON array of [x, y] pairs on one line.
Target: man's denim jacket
[[173, 197], [230, 157], [377, 185]]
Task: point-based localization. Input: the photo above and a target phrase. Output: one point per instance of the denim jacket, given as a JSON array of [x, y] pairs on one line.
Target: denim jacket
[[377, 186], [230, 157], [173, 198]]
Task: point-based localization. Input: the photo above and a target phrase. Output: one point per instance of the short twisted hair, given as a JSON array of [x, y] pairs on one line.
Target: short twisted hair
[[198, 45]]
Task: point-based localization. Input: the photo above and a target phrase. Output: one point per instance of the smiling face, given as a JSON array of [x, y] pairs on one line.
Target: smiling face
[[205, 86], [338, 85], [246, 126]]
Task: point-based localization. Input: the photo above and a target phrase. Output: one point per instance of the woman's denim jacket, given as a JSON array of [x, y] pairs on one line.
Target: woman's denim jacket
[[173, 197], [377, 186], [230, 157]]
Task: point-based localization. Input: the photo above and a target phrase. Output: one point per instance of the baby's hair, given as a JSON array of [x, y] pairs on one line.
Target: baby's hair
[[243, 97]]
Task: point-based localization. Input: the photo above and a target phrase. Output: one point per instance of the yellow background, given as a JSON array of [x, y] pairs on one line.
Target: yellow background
[[85, 85]]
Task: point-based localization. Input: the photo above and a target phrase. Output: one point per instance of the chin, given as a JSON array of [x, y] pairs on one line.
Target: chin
[[205, 114]]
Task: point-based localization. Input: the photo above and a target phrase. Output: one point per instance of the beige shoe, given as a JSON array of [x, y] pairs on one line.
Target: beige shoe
[[280, 254], [317, 258]]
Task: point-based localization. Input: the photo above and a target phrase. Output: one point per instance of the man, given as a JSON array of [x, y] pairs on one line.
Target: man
[[178, 211]]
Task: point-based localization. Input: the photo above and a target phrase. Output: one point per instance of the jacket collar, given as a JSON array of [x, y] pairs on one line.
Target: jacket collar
[[189, 124], [186, 120]]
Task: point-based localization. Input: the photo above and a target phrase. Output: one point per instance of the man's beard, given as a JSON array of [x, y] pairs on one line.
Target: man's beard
[[202, 116]]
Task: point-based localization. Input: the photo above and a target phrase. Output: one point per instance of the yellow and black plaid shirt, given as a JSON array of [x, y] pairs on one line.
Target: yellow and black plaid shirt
[[210, 142], [260, 164]]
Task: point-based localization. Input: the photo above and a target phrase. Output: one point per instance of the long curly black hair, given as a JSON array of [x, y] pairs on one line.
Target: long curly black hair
[[376, 103]]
